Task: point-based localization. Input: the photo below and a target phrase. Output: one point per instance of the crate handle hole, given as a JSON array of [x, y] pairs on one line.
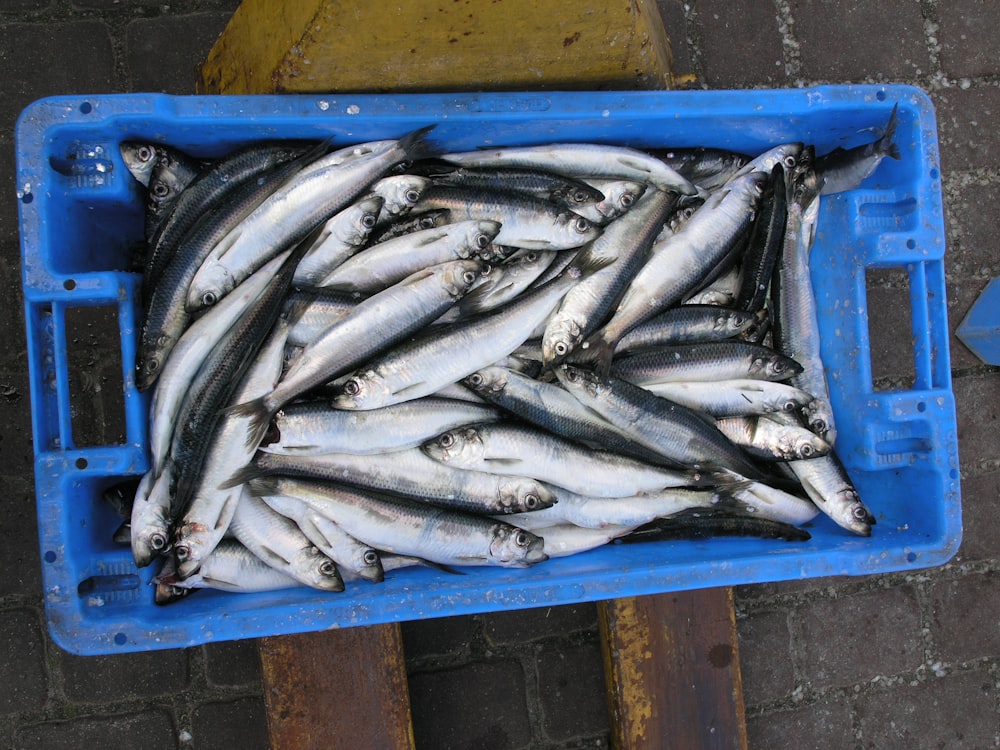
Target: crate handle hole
[[50, 556], [27, 198], [121, 639], [911, 244], [911, 557], [86, 108], [935, 174], [880, 95], [921, 406], [81, 463], [69, 285]]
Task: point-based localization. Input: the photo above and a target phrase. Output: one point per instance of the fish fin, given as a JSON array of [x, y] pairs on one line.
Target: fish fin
[[886, 143], [596, 352], [439, 566], [503, 461], [244, 475], [260, 418], [416, 146], [473, 302]]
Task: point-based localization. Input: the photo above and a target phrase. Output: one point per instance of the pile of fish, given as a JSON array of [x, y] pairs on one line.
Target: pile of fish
[[387, 355]]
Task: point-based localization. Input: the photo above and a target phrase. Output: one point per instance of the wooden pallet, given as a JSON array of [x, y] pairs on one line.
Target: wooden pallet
[[671, 660]]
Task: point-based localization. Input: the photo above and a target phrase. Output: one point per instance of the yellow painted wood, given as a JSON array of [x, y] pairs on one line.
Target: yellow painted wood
[[316, 46]]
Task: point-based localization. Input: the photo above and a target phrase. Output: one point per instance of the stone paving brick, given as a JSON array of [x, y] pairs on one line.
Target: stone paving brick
[[962, 295], [977, 401], [849, 40], [572, 690], [955, 711], [966, 135], [20, 558], [968, 38], [233, 663], [8, 206], [239, 723], [853, 638], [821, 726], [16, 442], [164, 53], [980, 520], [22, 662], [52, 58], [974, 247], [118, 676], [675, 23], [526, 625], [150, 730], [965, 617], [890, 328], [765, 659], [759, 591], [439, 635], [478, 706], [740, 45]]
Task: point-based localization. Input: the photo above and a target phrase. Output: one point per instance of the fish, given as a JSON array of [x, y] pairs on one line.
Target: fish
[[581, 160], [409, 528], [291, 213], [845, 169]]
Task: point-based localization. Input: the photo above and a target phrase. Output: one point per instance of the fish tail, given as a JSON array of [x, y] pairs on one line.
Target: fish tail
[[245, 475], [259, 412], [595, 353], [259, 485], [416, 146], [886, 144]]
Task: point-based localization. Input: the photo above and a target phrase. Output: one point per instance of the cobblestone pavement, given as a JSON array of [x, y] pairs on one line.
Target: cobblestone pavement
[[907, 660]]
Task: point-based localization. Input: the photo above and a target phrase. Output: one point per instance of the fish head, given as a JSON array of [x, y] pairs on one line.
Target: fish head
[[853, 514], [516, 548], [355, 223], [401, 192], [462, 446], [578, 379], [576, 194], [363, 390], [140, 158], [562, 335], [774, 367], [211, 284], [366, 563], [477, 240], [810, 446], [520, 494], [320, 570], [150, 361], [573, 230], [731, 323], [619, 197], [491, 379], [150, 540], [458, 277]]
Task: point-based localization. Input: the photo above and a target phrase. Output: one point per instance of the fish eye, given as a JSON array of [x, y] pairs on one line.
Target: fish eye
[[160, 190], [806, 450], [209, 298], [561, 348], [412, 195], [447, 440], [779, 366], [370, 557], [521, 538], [144, 153], [788, 161], [627, 199], [327, 568], [482, 241], [477, 379], [789, 406], [859, 512], [531, 501], [427, 222], [579, 196], [352, 387], [469, 277], [581, 225], [182, 551], [368, 221], [157, 541], [152, 365]]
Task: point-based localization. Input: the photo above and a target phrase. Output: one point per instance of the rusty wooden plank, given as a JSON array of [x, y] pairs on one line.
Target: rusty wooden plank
[[673, 671], [323, 46], [337, 690]]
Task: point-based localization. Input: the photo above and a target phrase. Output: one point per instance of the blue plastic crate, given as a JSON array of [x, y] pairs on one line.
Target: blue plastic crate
[[899, 446]]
